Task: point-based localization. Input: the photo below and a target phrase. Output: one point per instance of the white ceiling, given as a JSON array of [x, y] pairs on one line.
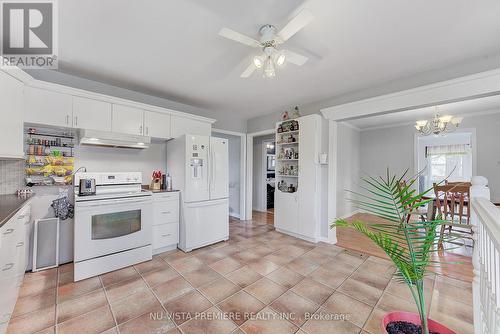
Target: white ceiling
[[171, 48], [466, 108]]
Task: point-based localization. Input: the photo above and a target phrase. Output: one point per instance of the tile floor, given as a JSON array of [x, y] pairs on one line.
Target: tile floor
[[260, 281]]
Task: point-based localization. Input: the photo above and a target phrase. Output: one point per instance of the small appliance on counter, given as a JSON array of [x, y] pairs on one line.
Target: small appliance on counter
[[86, 187]]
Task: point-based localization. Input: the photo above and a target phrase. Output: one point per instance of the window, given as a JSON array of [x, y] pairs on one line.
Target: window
[[447, 161]]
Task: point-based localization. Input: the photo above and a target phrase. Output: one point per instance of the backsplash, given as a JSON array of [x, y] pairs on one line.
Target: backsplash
[[11, 176]]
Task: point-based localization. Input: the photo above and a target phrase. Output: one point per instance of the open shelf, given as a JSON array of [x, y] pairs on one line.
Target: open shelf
[[285, 144], [283, 175]]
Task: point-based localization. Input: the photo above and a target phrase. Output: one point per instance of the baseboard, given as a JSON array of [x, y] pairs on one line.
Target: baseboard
[[350, 214], [234, 215]]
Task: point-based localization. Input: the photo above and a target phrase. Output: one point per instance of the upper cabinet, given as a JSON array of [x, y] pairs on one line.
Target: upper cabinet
[[91, 114], [182, 125], [157, 125], [128, 120], [11, 113], [48, 107]]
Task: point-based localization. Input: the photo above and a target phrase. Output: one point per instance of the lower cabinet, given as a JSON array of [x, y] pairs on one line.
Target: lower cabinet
[[13, 251], [165, 221]]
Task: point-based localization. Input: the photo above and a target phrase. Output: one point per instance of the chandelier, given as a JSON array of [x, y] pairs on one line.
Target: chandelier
[[439, 125]]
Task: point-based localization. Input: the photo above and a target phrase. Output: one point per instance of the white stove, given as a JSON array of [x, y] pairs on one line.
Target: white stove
[[113, 228]]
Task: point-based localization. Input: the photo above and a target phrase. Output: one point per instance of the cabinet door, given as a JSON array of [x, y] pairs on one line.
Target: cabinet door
[[128, 120], [91, 114], [47, 107], [286, 211], [182, 125], [11, 113], [157, 125]]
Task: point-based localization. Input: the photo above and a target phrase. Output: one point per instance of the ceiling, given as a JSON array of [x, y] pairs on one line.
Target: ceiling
[[171, 49], [466, 108]]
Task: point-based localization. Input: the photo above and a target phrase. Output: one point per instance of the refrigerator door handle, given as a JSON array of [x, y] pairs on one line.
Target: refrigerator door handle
[[213, 169]]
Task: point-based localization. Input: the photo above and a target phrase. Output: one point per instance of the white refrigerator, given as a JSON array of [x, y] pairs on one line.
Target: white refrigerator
[[199, 168]]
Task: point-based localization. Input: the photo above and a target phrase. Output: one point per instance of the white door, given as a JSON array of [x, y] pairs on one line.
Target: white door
[[11, 113], [219, 168], [47, 107], [91, 114], [197, 168], [157, 125], [128, 120], [183, 125]]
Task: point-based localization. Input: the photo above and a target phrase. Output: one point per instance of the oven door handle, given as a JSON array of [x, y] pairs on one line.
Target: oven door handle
[[116, 201]]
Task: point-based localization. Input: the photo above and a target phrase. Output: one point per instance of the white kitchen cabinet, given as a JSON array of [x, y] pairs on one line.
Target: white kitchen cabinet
[[183, 125], [11, 113], [91, 114], [13, 248], [48, 107], [157, 125], [128, 120], [165, 221]]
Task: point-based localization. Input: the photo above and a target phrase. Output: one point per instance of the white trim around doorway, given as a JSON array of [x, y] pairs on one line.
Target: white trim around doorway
[[243, 167], [249, 169]]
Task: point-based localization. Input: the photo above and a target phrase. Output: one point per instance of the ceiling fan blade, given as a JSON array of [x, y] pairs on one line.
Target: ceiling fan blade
[[249, 71], [236, 36], [303, 18], [295, 58]]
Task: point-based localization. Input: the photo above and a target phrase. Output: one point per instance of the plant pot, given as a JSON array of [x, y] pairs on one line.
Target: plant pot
[[415, 319]]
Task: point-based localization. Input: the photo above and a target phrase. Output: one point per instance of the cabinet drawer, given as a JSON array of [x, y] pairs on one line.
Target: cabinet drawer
[[166, 212], [165, 235], [167, 196]]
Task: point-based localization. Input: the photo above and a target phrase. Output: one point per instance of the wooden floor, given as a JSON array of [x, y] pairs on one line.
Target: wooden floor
[[351, 239]]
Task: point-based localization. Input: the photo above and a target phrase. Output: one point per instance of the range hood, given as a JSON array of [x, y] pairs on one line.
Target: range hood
[[111, 139]]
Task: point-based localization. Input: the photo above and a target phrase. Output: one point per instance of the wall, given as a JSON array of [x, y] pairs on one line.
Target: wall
[[349, 164], [394, 147], [107, 159], [11, 176], [226, 121], [234, 172], [259, 176]]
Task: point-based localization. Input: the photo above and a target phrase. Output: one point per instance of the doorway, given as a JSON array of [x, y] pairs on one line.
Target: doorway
[[263, 177]]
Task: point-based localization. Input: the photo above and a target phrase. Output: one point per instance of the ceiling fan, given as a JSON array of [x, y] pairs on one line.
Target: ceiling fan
[[271, 57]]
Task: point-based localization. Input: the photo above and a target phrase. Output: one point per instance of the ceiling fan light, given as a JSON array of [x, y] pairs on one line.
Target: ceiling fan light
[[269, 70], [257, 61], [280, 60]]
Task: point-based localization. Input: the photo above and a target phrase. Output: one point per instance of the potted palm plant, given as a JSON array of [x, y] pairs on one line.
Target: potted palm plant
[[410, 243]]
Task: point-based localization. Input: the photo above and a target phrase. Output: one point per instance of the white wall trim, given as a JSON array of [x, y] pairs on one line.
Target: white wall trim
[[243, 161], [332, 177], [464, 88], [249, 169]]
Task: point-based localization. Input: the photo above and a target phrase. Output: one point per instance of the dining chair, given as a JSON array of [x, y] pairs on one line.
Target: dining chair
[[421, 211], [452, 203]]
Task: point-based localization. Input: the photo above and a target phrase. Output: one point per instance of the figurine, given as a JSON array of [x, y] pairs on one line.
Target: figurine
[[285, 116], [295, 113]]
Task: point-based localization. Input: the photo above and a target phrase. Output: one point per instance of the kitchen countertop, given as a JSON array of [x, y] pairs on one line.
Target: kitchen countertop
[[146, 187], [9, 205]]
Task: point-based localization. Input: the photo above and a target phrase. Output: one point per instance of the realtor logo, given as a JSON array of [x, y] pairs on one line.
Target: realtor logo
[[29, 34]]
